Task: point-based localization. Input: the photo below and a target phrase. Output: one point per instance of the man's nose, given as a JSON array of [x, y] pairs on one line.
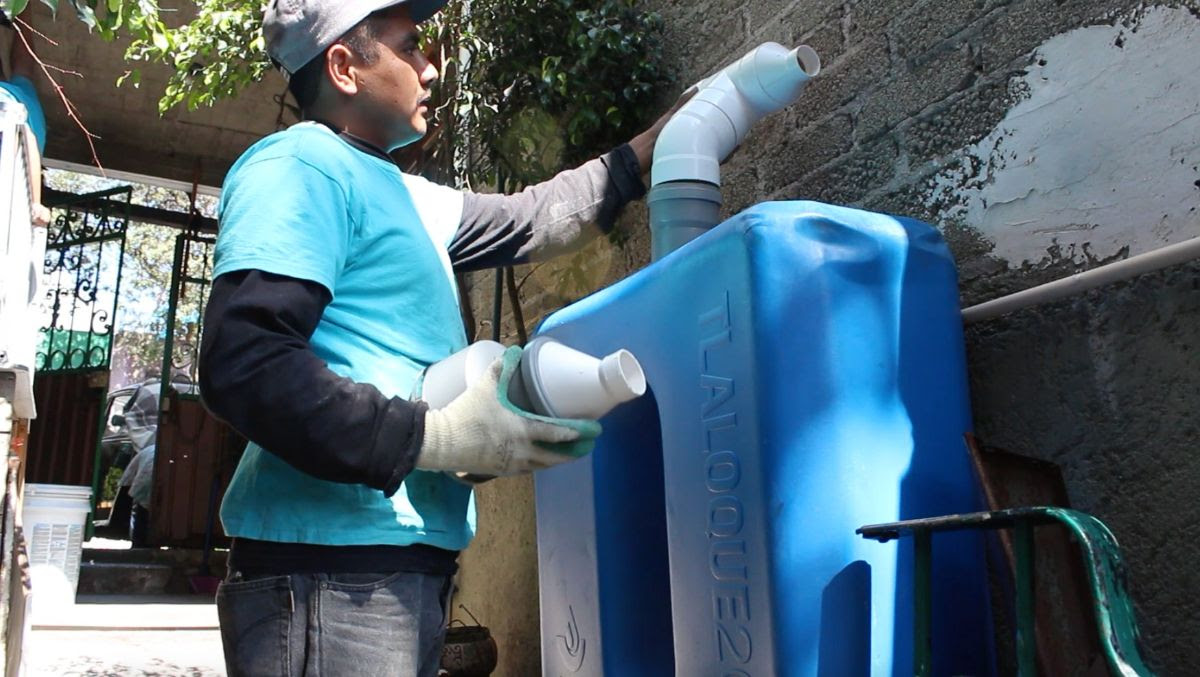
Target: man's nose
[[429, 74]]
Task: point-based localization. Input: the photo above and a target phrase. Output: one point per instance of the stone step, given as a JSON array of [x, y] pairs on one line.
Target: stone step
[[175, 557], [177, 571], [129, 612], [124, 578]]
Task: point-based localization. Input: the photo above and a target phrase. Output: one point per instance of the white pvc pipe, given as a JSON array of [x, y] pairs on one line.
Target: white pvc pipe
[[1076, 284], [710, 126], [554, 380]]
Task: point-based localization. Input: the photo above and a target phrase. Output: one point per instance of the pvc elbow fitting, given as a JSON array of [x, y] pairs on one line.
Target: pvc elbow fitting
[[694, 141], [705, 131]]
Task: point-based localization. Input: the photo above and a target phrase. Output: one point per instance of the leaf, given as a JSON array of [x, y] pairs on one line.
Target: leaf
[[85, 13], [13, 7]]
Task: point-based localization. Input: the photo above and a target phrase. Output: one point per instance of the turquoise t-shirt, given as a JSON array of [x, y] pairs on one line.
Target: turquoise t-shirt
[[21, 90], [305, 204]]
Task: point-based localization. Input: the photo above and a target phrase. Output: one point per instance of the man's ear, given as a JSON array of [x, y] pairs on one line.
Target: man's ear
[[340, 66]]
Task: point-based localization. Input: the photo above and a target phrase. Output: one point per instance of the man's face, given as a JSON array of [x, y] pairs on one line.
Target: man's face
[[393, 96]]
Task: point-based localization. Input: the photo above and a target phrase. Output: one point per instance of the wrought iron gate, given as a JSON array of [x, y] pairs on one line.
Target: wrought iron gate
[[84, 259], [196, 453], [190, 278]]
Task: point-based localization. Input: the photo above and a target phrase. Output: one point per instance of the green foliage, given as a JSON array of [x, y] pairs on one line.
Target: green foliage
[[214, 56], [531, 85], [213, 47], [85, 10], [110, 484], [534, 83], [527, 84]]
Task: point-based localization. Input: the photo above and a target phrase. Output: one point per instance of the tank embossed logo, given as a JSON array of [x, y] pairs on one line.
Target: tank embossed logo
[[725, 516], [572, 645]]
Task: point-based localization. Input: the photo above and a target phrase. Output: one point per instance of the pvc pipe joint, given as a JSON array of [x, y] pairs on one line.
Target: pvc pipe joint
[[710, 126], [684, 198], [553, 380]]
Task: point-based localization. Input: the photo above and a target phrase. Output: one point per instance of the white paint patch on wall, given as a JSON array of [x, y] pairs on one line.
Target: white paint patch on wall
[[1103, 154]]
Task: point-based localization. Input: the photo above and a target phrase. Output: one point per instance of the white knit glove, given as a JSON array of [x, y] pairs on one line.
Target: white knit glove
[[481, 432]]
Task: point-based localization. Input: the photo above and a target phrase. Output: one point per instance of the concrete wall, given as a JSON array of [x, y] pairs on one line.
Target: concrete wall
[[1043, 137], [497, 580]]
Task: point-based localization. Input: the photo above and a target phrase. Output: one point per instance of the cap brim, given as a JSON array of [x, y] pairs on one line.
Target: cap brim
[[420, 10]]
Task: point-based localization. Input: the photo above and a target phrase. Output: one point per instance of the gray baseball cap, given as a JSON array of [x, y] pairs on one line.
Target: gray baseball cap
[[296, 31]]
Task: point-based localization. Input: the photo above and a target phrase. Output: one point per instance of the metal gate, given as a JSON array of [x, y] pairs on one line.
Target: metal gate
[[84, 257], [196, 453]]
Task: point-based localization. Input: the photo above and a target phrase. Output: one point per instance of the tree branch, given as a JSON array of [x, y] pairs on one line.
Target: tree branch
[[515, 298], [72, 112]]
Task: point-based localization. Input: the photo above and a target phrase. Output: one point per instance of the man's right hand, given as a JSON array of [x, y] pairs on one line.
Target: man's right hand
[[482, 433]]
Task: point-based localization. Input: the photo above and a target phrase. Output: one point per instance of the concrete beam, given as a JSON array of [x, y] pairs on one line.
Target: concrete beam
[[129, 134]]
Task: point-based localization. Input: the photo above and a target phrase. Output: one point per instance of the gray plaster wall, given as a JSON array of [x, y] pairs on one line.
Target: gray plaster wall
[[1107, 385], [1043, 137]]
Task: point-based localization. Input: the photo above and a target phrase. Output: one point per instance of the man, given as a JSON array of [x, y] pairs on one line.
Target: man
[[333, 288], [141, 424], [18, 88]]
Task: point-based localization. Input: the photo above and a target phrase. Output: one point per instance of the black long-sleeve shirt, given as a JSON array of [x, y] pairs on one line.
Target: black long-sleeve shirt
[[258, 373]]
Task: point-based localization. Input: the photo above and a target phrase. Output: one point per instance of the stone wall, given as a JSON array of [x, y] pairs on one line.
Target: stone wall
[[1044, 137]]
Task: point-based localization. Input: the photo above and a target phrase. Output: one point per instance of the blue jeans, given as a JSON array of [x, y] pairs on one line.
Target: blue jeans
[[327, 625]]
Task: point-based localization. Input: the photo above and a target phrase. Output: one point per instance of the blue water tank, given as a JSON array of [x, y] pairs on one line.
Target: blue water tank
[[807, 377]]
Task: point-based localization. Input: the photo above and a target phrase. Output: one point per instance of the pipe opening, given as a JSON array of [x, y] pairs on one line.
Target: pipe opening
[[630, 373], [808, 59]]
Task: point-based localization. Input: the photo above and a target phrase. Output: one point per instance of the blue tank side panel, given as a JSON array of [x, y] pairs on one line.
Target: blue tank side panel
[[684, 321], [863, 425], [941, 480], [717, 523], [602, 541], [568, 572]]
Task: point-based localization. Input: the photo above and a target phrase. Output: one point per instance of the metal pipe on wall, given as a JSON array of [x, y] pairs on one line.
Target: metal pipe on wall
[[1170, 255]]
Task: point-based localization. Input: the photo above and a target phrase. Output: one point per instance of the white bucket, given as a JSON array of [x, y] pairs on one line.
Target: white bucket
[[53, 516]]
